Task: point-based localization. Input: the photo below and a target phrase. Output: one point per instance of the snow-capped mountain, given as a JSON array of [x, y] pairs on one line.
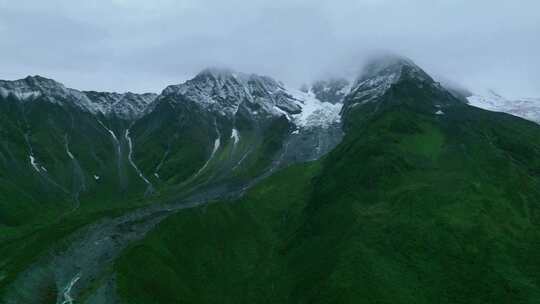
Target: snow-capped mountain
[[528, 108], [224, 91], [125, 105], [227, 92], [381, 73], [32, 88]]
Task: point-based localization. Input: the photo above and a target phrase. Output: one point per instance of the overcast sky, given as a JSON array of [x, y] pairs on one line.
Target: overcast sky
[[144, 45]]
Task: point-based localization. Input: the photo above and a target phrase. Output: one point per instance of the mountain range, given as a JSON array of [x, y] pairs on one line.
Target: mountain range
[[234, 188]]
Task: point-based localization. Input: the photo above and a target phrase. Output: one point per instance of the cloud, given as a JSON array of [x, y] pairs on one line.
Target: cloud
[[145, 45]]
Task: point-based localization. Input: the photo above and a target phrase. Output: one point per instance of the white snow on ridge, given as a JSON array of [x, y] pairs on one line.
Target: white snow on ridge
[[225, 92], [126, 105], [372, 88], [527, 108], [315, 113]]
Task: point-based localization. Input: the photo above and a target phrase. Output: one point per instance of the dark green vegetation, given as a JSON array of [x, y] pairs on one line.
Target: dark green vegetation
[[426, 199], [412, 207], [228, 252], [82, 171]]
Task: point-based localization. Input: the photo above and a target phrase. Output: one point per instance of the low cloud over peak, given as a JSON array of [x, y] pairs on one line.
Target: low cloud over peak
[[145, 45]]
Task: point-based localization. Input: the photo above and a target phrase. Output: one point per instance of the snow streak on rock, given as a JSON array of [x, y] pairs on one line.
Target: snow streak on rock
[[150, 188], [217, 144], [235, 136], [113, 135], [67, 298], [68, 152], [115, 139], [33, 162]]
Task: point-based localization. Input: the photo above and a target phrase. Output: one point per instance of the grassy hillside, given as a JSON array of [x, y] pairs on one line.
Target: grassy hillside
[[412, 207], [228, 252]]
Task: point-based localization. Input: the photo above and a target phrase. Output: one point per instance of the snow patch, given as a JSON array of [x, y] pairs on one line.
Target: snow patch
[[439, 112], [34, 163], [315, 113], [235, 136], [527, 108], [68, 152]]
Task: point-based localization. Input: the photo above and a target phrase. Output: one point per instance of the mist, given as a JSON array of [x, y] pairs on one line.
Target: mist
[[143, 46]]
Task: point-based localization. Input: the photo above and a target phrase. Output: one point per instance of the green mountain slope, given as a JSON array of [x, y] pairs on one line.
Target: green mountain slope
[[66, 167], [427, 200]]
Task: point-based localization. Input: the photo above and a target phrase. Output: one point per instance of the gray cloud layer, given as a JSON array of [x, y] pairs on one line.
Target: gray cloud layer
[[142, 45]]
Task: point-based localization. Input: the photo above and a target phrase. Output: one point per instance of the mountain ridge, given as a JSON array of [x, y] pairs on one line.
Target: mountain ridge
[[425, 200], [125, 105]]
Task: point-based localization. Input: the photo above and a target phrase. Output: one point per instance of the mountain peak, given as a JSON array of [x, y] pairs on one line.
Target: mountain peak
[[38, 78], [223, 90], [383, 71], [382, 61], [36, 81], [391, 64], [127, 105], [217, 72], [31, 87]]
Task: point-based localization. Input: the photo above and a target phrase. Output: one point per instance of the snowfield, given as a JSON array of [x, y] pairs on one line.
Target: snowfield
[[315, 113], [527, 108]]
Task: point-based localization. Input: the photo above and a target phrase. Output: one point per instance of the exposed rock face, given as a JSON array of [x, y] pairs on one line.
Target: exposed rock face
[[125, 106], [332, 91], [223, 92], [381, 73]]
